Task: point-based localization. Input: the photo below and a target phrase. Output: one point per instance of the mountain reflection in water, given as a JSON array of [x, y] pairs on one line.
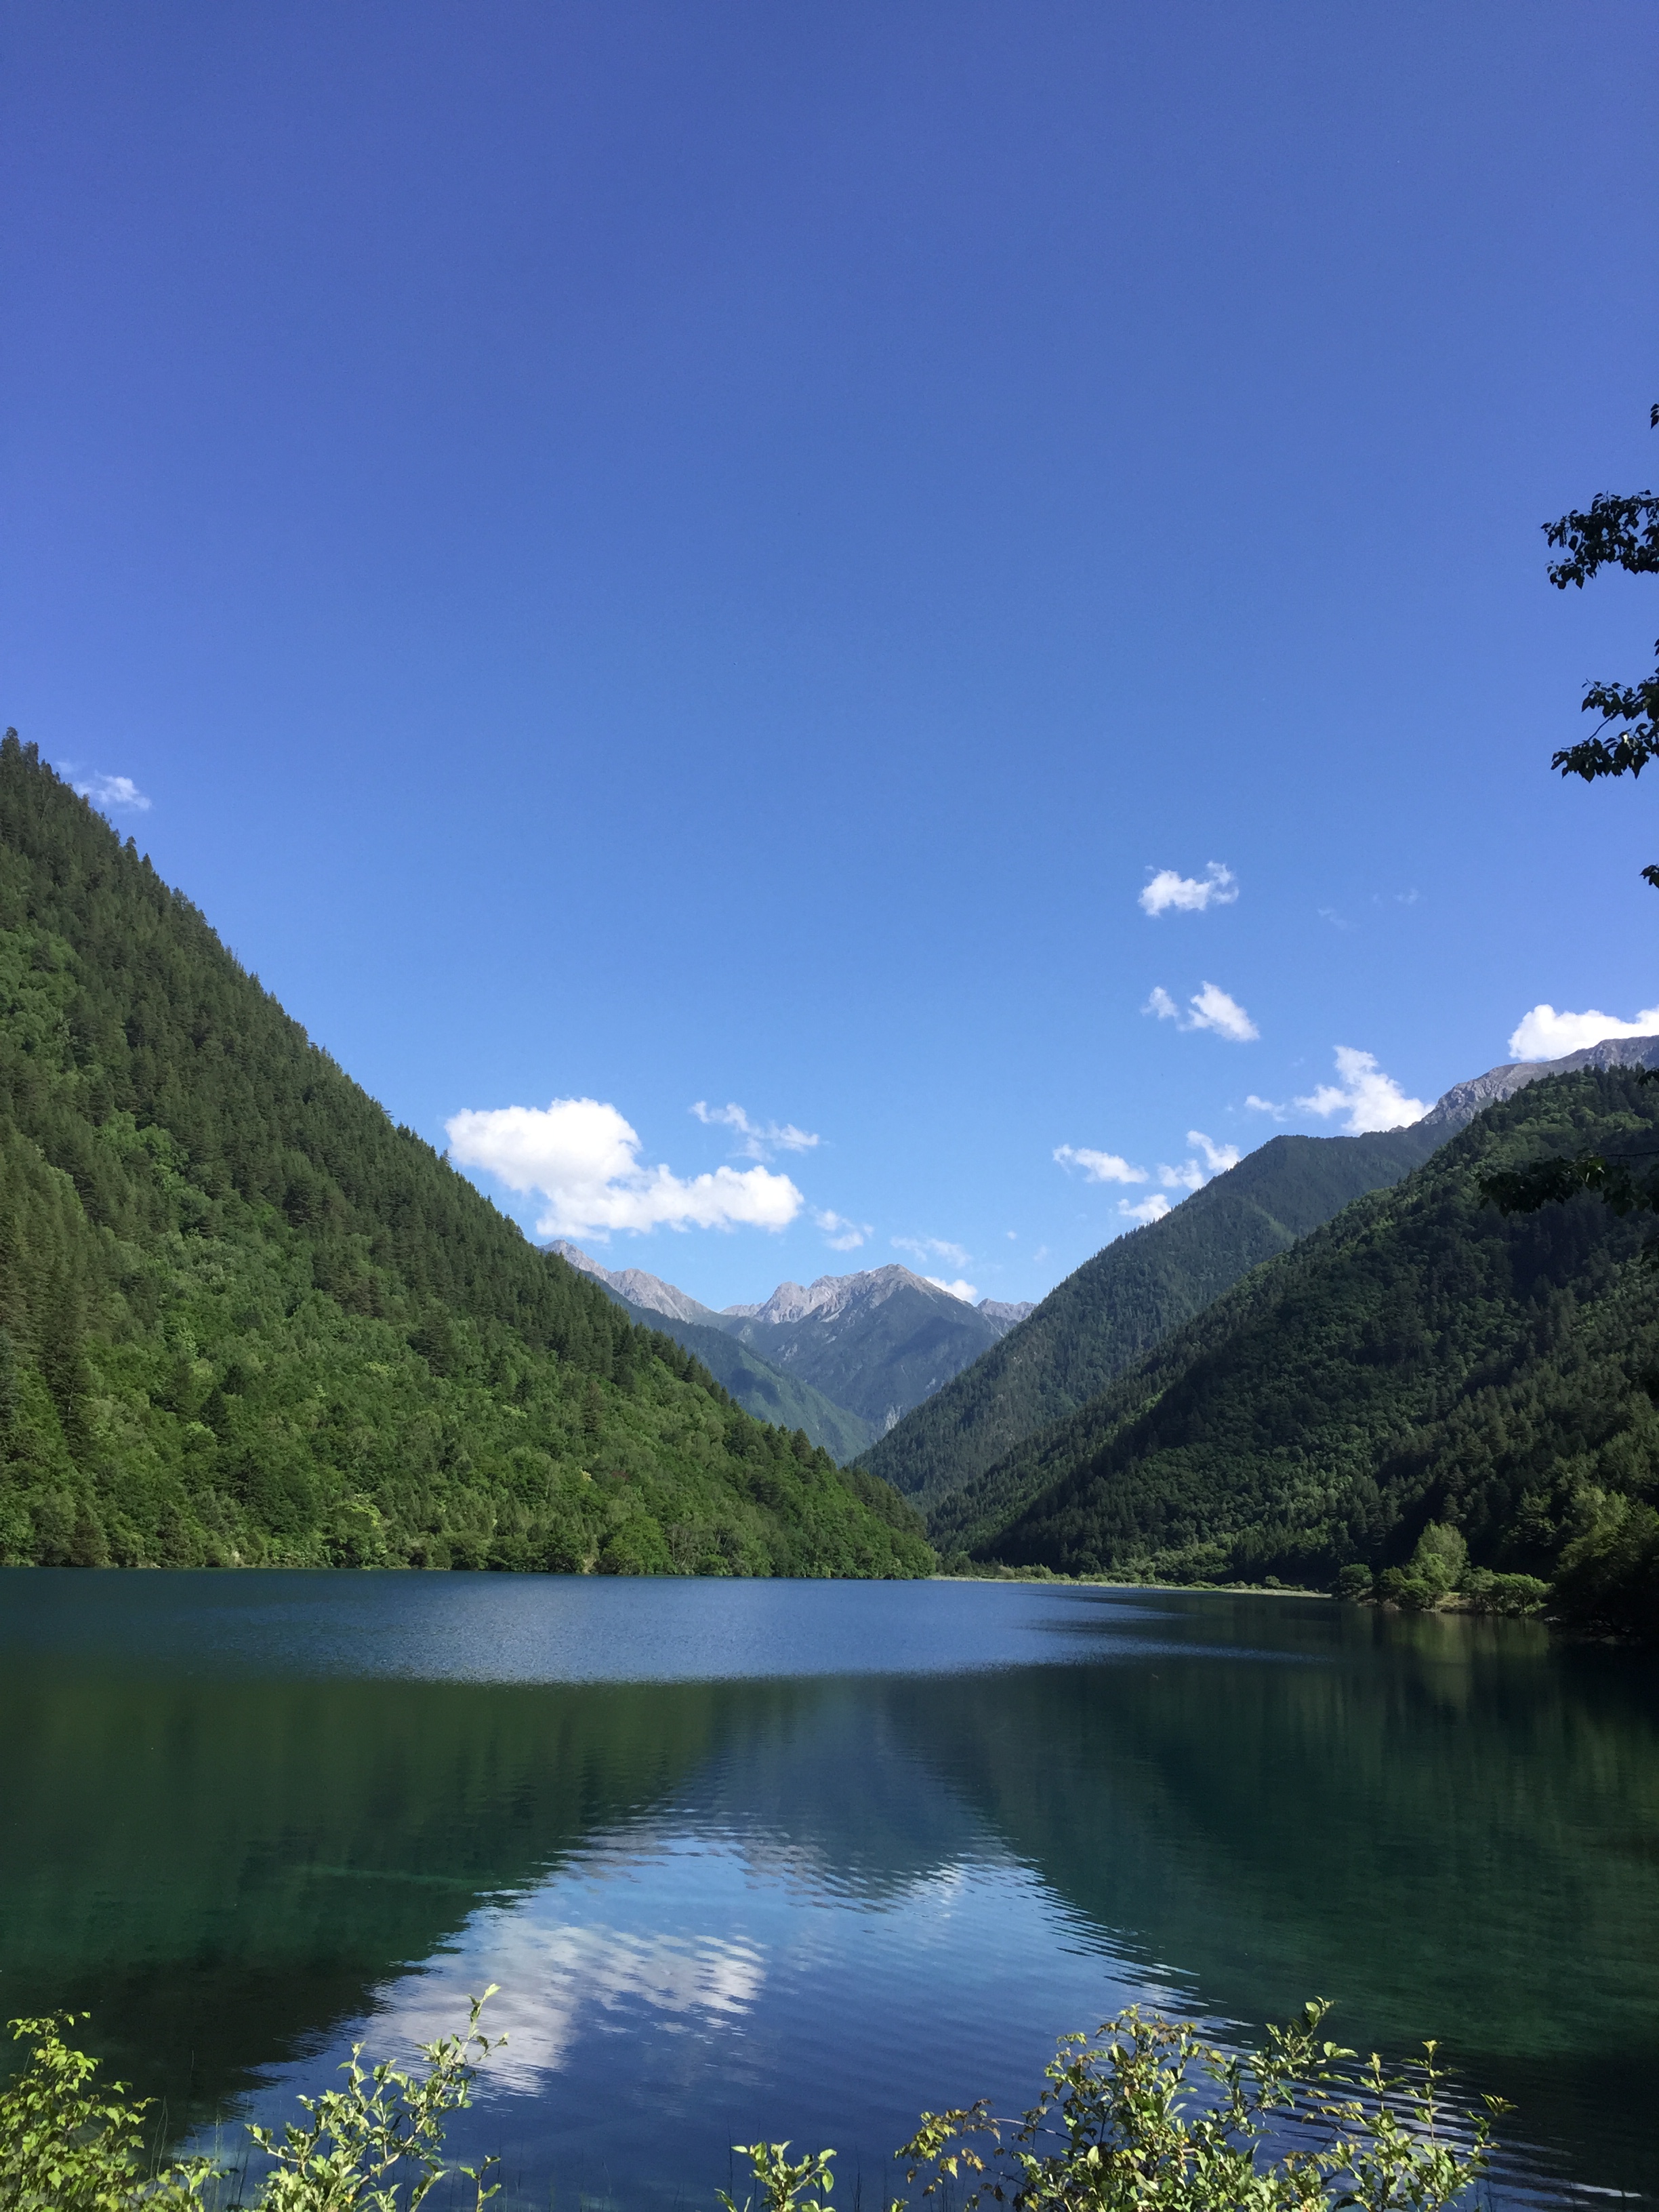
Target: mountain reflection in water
[[809, 1898]]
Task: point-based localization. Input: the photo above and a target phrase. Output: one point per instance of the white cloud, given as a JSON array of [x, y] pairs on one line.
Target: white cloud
[[967, 1292], [117, 794], [1264, 1106], [1098, 1167], [760, 1139], [1149, 1209], [1370, 1099], [1212, 1009], [554, 1978], [1545, 1035], [841, 1234], [933, 1247], [1217, 886], [1191, 1175], [582, 1157]]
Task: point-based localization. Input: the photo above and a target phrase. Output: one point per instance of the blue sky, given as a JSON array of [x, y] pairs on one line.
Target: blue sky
[[673, 555]]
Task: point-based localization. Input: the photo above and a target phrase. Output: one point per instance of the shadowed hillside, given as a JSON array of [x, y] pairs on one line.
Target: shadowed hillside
[[1420, 1357], [1121, 1303]]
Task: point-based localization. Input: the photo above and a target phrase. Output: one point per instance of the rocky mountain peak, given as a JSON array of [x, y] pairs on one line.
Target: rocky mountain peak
[[1464, 1101]]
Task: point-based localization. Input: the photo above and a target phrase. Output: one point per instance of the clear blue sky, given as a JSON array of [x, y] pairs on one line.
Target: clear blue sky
[[675, 553]]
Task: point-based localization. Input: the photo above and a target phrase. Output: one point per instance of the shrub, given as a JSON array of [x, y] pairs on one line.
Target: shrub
[[1146, 2118], [375, 2144]]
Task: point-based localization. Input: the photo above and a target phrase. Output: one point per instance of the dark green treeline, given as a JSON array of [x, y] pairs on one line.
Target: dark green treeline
[[245, 1320]]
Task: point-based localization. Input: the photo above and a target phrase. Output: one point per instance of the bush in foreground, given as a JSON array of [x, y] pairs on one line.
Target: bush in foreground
[[1144, 2116]]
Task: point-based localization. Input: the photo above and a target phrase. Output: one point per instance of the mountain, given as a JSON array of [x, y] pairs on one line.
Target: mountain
[[763, 1390], [878, 1342], [842, 1328], [1116, 1306], [1420, 1357], [649, 1292], [831, 1296], [1004, 1313], [1096, 1323], [244, 1319], [1459, 1105]]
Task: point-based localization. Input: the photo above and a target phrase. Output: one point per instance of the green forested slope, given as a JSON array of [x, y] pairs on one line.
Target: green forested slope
[[245, 1319], [787, 1400], [1119, 1305], [1420, 1357], [895, 1340]]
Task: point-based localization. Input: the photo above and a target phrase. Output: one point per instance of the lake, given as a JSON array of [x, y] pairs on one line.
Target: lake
[[798, 1859]]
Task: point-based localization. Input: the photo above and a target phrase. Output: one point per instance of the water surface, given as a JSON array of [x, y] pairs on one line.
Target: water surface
[[799, 1859]]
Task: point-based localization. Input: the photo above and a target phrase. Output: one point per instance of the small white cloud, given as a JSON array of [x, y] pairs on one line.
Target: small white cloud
[[1218, 1159], [582, 1156], [1337, 921], [1212, 1009], [841, 1234], [1098, 1167], [967, 1292], [933, 1247], [1217, 886], [1193, 1174], [1545, 1035], [113, 794], [1149, 1209], [1370, 1099], [760, 1139], [1265, 1106]]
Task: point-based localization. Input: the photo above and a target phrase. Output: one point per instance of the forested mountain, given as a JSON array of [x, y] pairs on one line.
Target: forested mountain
[[845, 1328], [762, 1390], [878, 1342], [1420, 1357], [1116, 1306], [245, 1319]]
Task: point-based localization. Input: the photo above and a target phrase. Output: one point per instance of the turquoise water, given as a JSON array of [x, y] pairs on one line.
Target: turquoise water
[[799, 1859]]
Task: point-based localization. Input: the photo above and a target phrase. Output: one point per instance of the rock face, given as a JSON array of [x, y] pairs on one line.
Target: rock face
[[640, 1289], [1464, 1101], [1003, 1315], [829, 1295], [878, 1342]]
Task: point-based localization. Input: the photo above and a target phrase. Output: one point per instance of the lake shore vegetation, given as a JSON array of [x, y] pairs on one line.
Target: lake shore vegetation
[[1144, 2115]]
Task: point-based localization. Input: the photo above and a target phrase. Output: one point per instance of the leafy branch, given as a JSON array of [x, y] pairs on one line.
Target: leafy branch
[[1146, 2117], [1616, 530]]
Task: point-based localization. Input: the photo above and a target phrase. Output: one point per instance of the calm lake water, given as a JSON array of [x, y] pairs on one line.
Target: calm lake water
[[797, 1859]]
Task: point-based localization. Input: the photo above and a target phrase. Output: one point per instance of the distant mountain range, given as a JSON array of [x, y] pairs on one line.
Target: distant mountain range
[[932, 1393], [843, 1358]]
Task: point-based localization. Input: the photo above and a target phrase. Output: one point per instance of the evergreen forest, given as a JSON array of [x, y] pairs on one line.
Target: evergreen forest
[[1420, 1376], [246, 1320], [1114, 1308]]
